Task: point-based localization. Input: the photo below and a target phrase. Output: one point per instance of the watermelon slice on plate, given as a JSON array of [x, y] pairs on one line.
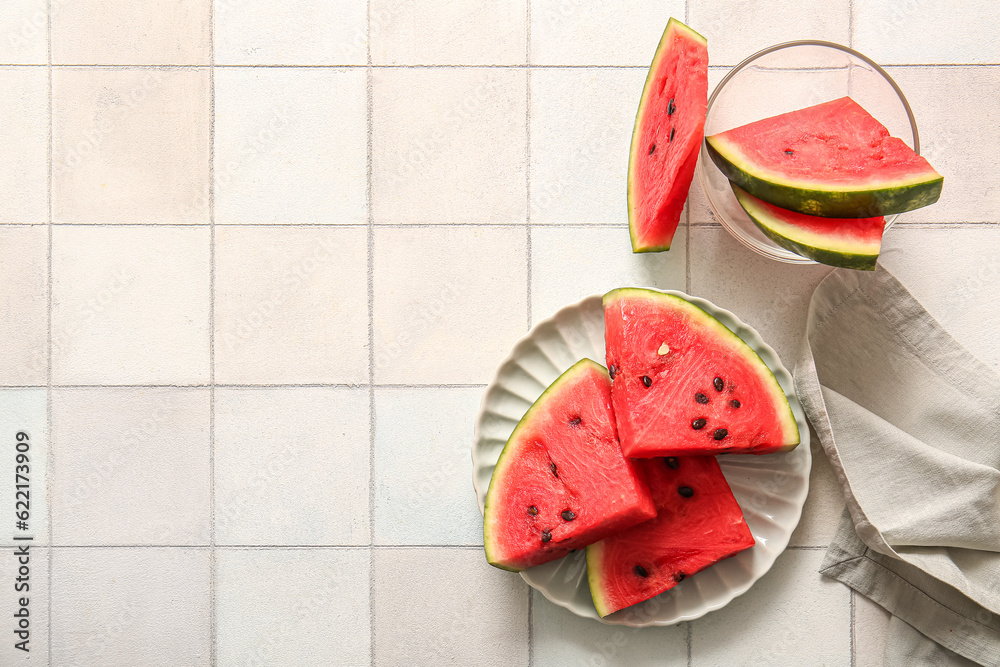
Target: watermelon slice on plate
[[833, 160], [698, 523], [669, 127], [551, 490], [684, 384], [852, 243]]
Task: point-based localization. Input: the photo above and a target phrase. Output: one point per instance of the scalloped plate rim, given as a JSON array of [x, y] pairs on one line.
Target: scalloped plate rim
[[752, 338]]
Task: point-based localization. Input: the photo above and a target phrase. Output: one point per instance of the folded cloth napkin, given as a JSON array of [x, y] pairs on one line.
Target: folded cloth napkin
[[911, 424]]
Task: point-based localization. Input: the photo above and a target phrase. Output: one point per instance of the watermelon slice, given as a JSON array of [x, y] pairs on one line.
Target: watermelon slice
[[562, 482], [832, 160], [698, 523], [669, 127], [685, 384], [852, 243]]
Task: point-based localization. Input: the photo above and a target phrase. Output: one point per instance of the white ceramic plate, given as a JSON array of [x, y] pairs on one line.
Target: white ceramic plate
[[770, 488]]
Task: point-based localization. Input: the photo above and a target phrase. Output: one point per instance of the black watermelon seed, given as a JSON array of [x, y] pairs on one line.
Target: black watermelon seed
[[672, 130], [612, 370], [575, 421], [720, 433], [567, 515], [532, 510], [679, 577], [670, 107], [698, 424], [652, 148], [671, 462], [640, 571], [685, 491], [648, 381], [718, 384], [788, 151], [546, 536], [734, 403], [701, 398], [553, 467]]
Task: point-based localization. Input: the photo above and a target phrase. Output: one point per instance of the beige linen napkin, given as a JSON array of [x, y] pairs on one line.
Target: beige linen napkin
[[911, 423]]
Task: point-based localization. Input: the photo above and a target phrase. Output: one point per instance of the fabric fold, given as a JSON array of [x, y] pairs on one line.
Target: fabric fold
[[911, 424]]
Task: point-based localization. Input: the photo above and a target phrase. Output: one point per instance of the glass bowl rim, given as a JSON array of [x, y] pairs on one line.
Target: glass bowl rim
[[739, 67], [833, 45]]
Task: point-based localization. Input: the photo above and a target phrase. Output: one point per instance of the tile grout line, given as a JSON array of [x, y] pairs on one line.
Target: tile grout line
[[527, 251], [687, 252], [369, 105], [853, 629], [346, 66], [50, 453], [850, 23], [432, 225], [212, 574], [688, 642], [527, 155]]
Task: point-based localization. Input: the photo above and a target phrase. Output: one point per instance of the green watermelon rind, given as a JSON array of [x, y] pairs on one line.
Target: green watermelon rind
[[835, 201], [860, 256], [778, 397], [643, 103], [512, 445], [595, 566]]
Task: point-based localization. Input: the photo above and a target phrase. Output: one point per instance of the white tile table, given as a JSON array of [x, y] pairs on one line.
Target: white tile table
[[258, 261]]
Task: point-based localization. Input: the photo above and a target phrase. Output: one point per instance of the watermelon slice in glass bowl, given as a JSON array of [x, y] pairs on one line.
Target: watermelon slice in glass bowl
[[770, 488], [788, 77]]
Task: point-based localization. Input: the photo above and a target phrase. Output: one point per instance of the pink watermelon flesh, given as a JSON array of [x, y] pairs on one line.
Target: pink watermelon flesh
[[669, 127], [852, 243], [562, 482], [698, 523], [832, 159], [684, 384]]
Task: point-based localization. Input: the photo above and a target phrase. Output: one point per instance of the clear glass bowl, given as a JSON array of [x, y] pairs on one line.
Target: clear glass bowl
[[783, 78]]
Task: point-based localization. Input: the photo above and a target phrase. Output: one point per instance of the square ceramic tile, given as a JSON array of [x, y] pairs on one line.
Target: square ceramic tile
[[24, 325], [560, 637], [736, 29], [124, 32], [462, 32], [27, 602], [24, 417], [130, 305], [770, 296], [448, 306], [291, 305], [423, 473], [791, 616], [581, 133], [824, 504], [957, 137], [143, 606], [130, 145], [871, 621], [570, 263], [954, 273], [447, 606], [24, 162], [291, 466], [300, 32], [896, 33], [290, 146], [308, 608], [448, 145], [132, 466], [24, 24], [599, 32]]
